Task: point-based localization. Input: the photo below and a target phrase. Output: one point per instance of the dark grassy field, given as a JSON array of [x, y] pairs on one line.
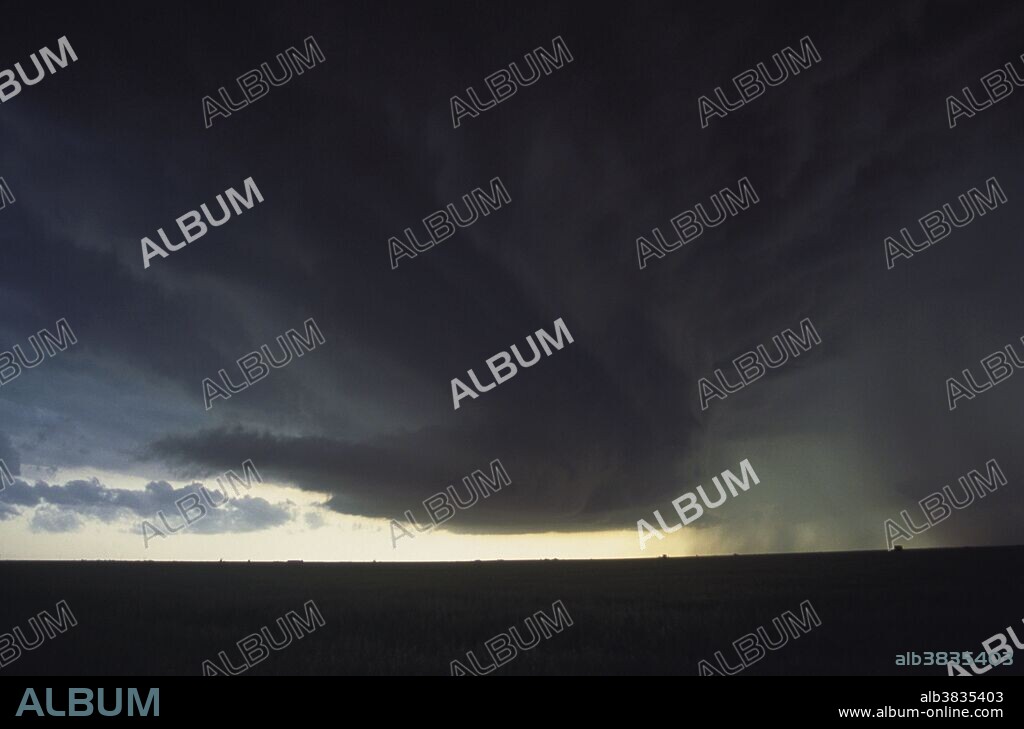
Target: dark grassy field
[[630, 617]]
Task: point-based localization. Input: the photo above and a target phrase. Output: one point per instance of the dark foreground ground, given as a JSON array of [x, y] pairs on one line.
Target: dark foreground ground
[[629, 617]]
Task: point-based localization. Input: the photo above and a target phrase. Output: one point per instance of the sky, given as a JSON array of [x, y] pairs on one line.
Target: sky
[[112, 431]]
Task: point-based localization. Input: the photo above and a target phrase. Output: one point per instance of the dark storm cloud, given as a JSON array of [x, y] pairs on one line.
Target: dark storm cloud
[[594, 155], [553, 488], [58, 508]]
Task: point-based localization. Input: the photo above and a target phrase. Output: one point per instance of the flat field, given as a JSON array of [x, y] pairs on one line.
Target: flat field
[[654, 616]]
